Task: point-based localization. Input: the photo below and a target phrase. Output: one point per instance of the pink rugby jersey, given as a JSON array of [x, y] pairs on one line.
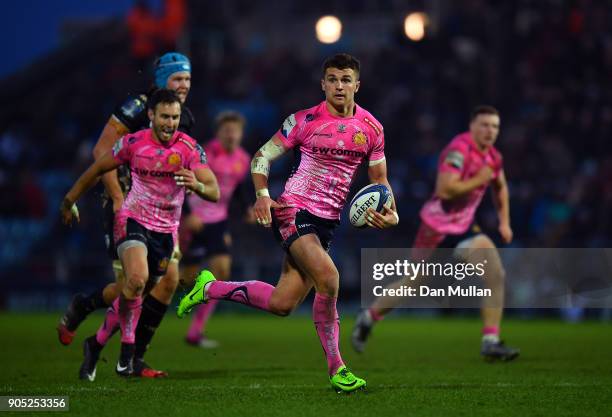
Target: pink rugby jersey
[[463, 157], [155, 200], [331, 148], [230, 170]]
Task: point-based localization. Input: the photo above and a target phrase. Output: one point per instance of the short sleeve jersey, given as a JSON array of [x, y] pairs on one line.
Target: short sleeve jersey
[[463, 157], [132, 114], [329, 150], [230, 170], [155, 200]]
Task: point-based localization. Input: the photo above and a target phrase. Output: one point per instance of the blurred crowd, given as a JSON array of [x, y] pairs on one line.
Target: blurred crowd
[[545, 65]]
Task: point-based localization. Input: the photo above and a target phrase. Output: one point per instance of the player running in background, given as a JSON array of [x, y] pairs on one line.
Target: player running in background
[[332, 140], [173, 71], [466, 168], [207, 223], [164, 163]]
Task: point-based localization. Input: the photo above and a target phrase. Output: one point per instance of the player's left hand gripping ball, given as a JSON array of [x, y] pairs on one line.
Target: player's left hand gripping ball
[[388, 218]]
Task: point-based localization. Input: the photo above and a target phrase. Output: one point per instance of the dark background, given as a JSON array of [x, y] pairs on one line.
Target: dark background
[[545, 64]]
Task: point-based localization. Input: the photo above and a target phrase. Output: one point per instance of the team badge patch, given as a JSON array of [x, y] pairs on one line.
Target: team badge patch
[[288, 125], [359, 138], [163, 264], [174, 159], [132, 107], [455, 159], [117, 147], [202, 154]]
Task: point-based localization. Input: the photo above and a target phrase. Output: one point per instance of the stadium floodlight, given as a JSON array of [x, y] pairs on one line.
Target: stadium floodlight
[[328, 29], [414, 26]]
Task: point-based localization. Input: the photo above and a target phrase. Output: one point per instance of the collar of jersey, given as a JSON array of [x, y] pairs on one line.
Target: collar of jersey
[[326, 110]]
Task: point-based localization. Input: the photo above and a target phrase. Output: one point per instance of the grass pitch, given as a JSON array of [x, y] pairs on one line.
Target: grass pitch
[[270, 366]]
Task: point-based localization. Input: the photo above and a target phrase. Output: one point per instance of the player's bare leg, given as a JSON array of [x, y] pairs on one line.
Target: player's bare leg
[[317, 265], [290, 291], [378, 310], [129, 303], [220, 265], [123, 313], [308, 264], [154, 307], [383, 305], [482, 249]]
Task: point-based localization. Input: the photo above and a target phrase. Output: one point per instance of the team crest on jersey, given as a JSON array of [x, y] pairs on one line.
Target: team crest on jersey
[[174, 159], [341, 128], [359, 138]]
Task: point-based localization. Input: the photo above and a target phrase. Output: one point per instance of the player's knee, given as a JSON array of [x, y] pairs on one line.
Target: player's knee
[[328, 282], [282, 310], [482, 242], [169, 283], [112, 291], [136, 282], [501, 272], [282, 307]]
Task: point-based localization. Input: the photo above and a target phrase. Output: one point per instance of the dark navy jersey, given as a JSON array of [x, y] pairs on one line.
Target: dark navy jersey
[[132, 113]]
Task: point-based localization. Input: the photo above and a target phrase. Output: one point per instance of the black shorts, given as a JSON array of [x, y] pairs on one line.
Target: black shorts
[[289, 223], [213, 239], [159, 246], [451, 241], [428, 240], [108, 221]]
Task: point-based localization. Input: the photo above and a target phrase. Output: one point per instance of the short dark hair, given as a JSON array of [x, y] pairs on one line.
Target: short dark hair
[[342, 61], [162, 95], [229, 116], [483, 109]]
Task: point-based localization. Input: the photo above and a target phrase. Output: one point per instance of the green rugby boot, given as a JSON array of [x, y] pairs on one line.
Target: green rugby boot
[[344, 381], [196, 295]]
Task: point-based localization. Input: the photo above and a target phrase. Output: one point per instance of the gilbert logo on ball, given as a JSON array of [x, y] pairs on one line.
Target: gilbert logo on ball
[[375, 196]]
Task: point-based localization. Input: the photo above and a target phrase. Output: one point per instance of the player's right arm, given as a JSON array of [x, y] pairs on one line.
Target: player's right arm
[[106, 163], [449, 185], [113, 130], [260, 169]]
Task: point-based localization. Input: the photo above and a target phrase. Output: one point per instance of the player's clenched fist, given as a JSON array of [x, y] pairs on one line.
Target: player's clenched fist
[[485, 174], [186, 178], [69, 211]]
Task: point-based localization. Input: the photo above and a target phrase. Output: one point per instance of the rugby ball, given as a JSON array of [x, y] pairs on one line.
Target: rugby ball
[[375, 196]]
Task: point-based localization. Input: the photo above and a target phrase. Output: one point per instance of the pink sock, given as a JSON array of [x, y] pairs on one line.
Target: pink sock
[[251, 293], [490, 330], [375, 316], [129, 313], [198, 322], [326, 322], [110, 325]]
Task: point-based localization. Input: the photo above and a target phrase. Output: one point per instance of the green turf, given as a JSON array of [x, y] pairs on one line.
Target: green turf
[[272, 366]]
